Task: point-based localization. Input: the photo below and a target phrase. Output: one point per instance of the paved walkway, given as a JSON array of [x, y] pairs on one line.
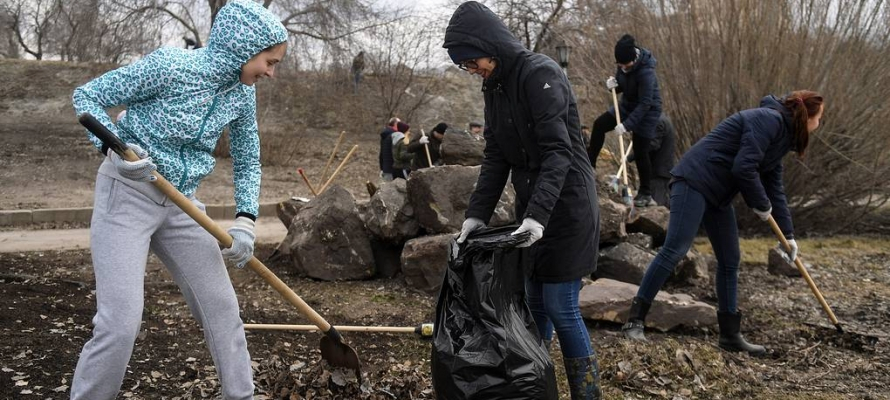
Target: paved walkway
[[268, 230]]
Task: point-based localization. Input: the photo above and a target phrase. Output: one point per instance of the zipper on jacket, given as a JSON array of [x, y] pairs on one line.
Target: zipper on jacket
[[197, 139]]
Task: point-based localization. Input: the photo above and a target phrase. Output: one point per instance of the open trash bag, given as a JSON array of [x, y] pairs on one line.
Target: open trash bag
[[485, 342]]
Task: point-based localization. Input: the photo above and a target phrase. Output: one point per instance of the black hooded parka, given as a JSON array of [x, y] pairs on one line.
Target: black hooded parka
[[533, 136]]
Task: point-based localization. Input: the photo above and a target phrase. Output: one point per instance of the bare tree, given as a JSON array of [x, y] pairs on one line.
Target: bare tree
[[31, 21]]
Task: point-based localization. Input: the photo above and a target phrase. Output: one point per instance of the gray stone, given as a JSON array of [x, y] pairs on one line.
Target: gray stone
[[440, 197], [652, 221], [327, 240], [625, 262], [461, 148], [389, 215], [424, 261], [692, 270], [288, 209], [641, 240], [777, 265], [609, 300], [612, 217]]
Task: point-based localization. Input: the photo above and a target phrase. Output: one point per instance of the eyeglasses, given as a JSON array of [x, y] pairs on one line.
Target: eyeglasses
[[467, 65]]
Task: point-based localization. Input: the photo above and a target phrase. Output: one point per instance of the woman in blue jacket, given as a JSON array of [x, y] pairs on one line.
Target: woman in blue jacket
[[178, 102], [742, 154]]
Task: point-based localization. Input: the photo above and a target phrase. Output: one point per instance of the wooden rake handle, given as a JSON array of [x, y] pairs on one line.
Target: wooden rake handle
[[805, 274], [115, 144], [621, 143]]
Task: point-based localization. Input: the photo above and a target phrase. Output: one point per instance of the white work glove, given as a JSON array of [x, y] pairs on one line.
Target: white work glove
[[139, 171], [620, 129], [611, 83], [763, 215], [424, 139], [533, 227], [242, 242], [788, 256], [470, 224]]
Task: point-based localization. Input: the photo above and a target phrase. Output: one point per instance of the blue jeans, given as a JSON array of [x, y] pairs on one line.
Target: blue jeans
[[689, 210], [555, 305]]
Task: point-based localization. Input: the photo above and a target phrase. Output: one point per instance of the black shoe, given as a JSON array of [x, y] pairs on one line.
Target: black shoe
[[635, 326], [644, 200], [584, 378], [730, 337]]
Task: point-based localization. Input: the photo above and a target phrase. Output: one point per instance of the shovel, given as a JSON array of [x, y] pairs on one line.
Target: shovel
[[805, 274], [613, 183], [626, 193], [333, 350]]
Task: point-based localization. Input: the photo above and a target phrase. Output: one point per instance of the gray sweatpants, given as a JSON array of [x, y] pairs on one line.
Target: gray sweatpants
[[129, 218]]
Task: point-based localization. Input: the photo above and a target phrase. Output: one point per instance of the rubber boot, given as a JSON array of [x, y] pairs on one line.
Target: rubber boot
[[730, 337], [584, 378], [635, 327]]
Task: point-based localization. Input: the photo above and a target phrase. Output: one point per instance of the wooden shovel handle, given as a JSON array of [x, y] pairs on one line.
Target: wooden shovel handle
[[804, 273], [205, 221], [621, 145], [426, 148], [331, 158]]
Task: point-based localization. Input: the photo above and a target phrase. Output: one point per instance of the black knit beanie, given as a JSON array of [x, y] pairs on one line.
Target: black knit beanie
[[625, 49]]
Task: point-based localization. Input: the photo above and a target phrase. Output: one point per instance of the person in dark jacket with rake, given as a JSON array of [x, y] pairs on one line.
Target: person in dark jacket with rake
[[640, 109], [743, 154], [533, 136]]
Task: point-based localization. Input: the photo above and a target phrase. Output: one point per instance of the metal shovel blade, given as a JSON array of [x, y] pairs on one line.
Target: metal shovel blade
[[340, 355]]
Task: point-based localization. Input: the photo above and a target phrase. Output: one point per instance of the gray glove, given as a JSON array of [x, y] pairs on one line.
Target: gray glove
[[763, 215], [242, 242], [611, 83], [139, 171], [788, 256], [470, 224], [535, 229]]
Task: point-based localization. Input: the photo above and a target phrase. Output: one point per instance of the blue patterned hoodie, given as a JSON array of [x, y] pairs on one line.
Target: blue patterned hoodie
[[178, 102]]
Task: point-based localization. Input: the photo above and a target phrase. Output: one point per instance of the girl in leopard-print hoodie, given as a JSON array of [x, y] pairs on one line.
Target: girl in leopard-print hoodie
[[178, 102]]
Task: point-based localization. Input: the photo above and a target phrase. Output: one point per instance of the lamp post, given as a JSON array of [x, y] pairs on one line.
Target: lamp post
[[562, 55]]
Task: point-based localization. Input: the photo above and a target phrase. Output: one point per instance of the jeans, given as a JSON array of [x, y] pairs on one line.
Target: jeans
[[689, 210], [607, 122], [555, 305]]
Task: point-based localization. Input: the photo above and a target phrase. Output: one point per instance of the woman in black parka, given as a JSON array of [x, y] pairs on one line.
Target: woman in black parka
[[533, 136], [743, 154]]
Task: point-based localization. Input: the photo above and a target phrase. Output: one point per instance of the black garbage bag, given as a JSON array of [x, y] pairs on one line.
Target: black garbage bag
[[485, 342]]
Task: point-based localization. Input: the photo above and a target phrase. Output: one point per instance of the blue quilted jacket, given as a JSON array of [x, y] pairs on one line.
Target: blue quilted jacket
[[178, 102]]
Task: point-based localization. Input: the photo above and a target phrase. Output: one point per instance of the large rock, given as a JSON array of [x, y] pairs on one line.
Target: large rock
[[692, 270], [461, 148], [327, 240], [625, 262], [652, 221], [641, 240], [389, 215], [440, 196], [288, 209], [777, 265], [608, 300], [612, 217], [424, 261]]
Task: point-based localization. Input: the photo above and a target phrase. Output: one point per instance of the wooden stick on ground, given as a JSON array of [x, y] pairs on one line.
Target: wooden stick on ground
[[305, 179], [337, 171]]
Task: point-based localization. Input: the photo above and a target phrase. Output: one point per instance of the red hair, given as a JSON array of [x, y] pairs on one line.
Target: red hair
[[803, 104]]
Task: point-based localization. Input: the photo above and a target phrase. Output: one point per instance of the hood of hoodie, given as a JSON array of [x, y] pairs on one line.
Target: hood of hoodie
[[242, 29], [475, 25]]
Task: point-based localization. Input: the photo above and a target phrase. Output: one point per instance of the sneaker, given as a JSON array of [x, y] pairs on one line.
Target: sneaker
[[644, 200]]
